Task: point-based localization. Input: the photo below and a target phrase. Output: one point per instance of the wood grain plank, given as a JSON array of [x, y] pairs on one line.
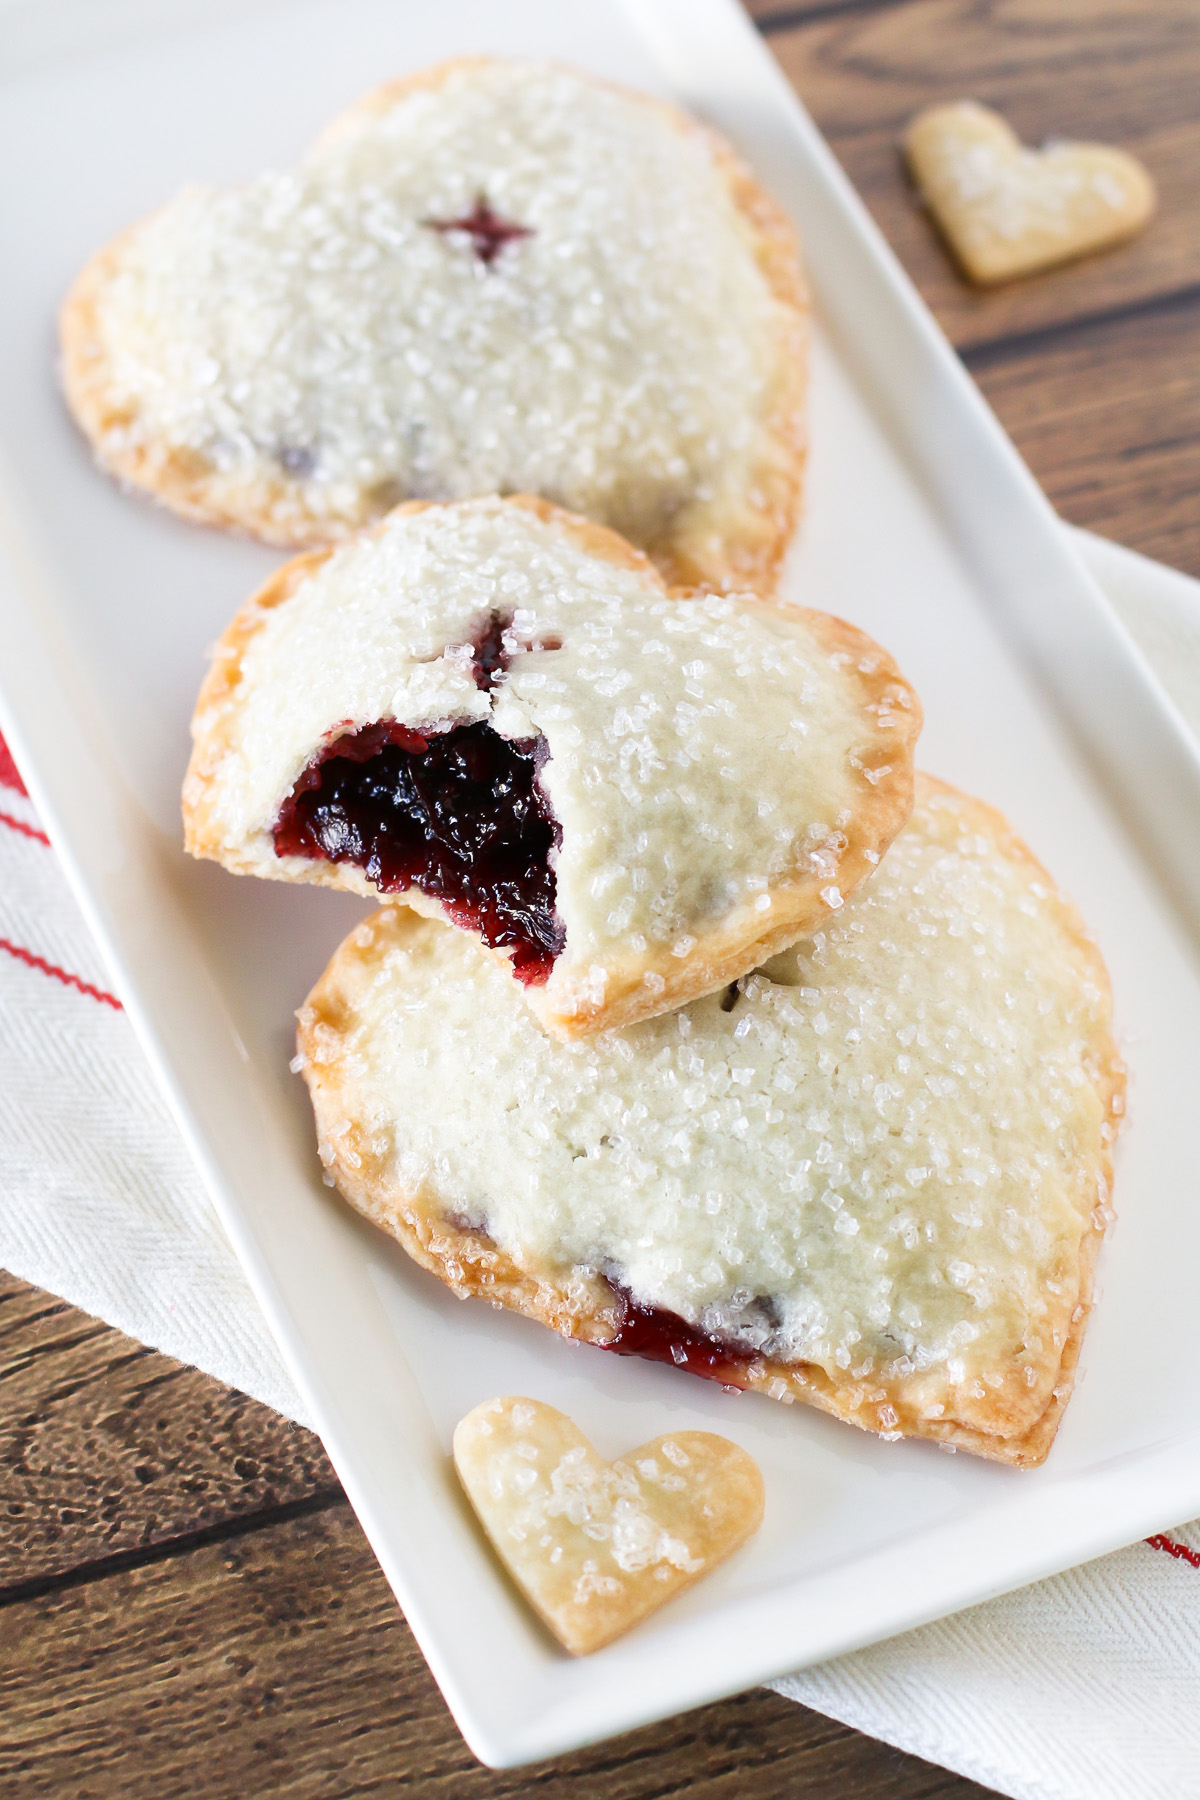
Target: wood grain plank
[[279, 1664], [778, 15], [1108, 418], [1116, 70], [106, 1447]]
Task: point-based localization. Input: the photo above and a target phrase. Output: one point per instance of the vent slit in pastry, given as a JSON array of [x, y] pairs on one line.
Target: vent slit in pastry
[[487, 231]]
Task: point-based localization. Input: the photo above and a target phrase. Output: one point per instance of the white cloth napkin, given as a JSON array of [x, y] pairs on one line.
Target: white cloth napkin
[[1084, 1687]]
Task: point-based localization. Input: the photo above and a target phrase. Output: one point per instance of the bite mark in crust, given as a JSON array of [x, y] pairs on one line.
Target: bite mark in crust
[[1003, 1403], [731, 537], [812, 763], [458, 814]]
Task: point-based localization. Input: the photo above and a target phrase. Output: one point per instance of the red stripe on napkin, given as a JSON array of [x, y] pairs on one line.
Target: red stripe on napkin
[[33, 961], [1174, 1548], [9, 773], [29, 831]]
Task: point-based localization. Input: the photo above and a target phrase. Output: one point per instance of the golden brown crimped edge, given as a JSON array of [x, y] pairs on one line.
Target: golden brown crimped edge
[[581, 1305], [746, 552], [881, 804]]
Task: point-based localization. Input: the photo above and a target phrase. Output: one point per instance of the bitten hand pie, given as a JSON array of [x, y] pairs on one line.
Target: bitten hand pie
[[492, 277], [596, 1546], [873, 1176], [497, 713]]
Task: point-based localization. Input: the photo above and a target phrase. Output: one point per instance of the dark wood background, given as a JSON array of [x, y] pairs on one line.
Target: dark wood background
[[187, 1604]]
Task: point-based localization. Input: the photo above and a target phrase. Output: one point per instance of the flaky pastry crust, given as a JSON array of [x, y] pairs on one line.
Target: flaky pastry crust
[[882, 781], [1006, 1421], [742, 550]]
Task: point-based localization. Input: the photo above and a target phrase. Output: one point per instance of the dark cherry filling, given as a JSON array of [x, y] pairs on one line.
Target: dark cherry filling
[[456, 813], [662, 1336]]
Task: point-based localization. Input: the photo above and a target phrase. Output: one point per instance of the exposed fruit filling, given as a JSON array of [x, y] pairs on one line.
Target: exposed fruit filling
[[456, 813], [662, 1336]]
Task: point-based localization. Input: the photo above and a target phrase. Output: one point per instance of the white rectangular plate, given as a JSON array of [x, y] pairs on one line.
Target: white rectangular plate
[[922, 526]]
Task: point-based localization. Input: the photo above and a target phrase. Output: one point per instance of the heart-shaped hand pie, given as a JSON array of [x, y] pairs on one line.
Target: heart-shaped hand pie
[[1006, 210], [497, 713], [489, 277], [595, 1546], [872, 1176]]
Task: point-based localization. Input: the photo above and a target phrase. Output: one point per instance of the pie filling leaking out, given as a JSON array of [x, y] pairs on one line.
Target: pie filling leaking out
[[660, 1336], [457, 813]]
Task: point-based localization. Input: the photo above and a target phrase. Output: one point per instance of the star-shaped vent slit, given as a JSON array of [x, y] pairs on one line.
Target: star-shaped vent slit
[[488, 232]]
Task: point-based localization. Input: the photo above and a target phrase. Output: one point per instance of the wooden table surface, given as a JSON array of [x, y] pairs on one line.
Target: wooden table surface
[[188, 1605]]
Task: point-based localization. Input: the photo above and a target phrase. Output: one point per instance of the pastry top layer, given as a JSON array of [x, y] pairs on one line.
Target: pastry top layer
[[723, 771], [884, 1160], [326, 344]]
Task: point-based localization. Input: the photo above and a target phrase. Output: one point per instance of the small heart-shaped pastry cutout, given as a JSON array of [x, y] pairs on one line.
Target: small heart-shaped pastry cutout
[[1006, 210], [593, 1545]]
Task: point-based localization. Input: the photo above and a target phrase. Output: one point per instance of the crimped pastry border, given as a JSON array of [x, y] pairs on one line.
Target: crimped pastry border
[[746, 550], [881, 803], [1009, 1426]]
